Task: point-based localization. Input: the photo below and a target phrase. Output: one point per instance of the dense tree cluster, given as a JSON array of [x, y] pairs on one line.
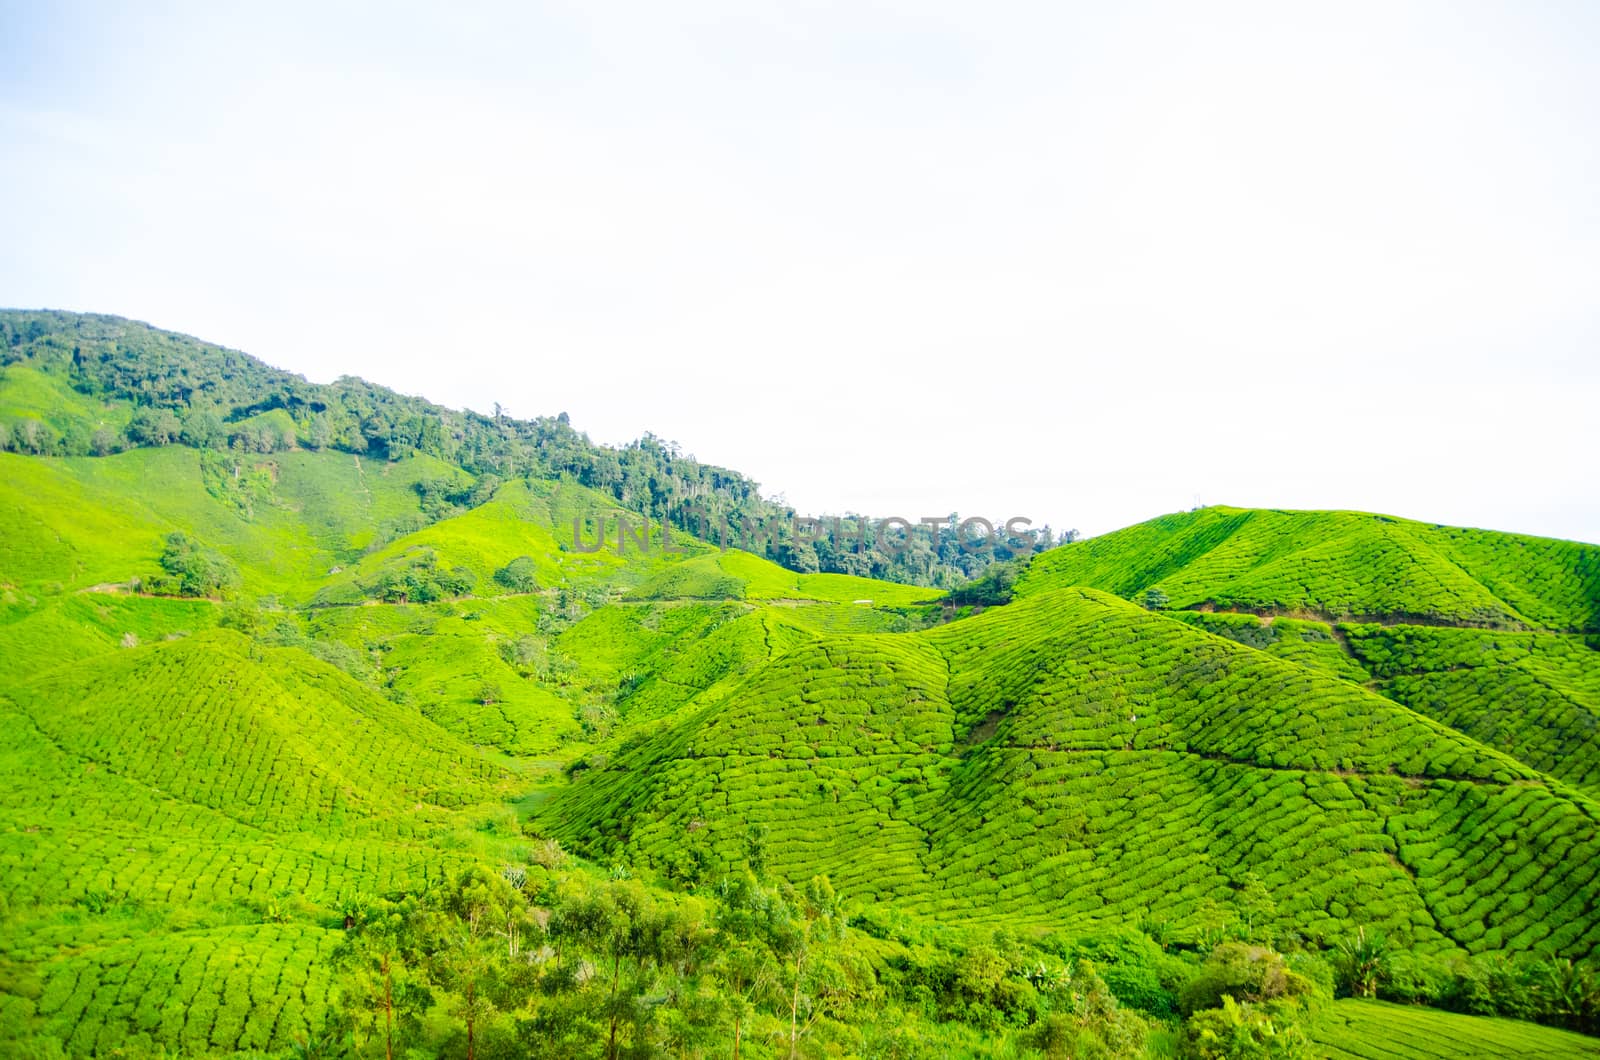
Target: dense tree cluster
[[538, 963], [417, 578], [186, 392], [192, 570], [533, 963]]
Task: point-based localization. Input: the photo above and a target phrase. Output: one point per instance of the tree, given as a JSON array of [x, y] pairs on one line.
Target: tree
[[749, 919], [31, 436], [618, 921], [1570, 993], [1363, 963], [377, 957], [519, 576], [473, 930], [1155, 599], [202, 429], [1254, 902], [154, 427], [1243, 972], [816, 922], [197, 571]]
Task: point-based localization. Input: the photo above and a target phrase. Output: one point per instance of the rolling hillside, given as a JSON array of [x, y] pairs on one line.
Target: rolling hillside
[[1071, 758], [1338, 565], [258, 683]]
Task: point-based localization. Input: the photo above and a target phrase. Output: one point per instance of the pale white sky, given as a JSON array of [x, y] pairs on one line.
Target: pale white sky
[[1079, 262]]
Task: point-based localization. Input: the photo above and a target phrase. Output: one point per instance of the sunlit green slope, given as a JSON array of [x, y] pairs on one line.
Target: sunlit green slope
[[72, 523], [1072, 758], [1535, 696], [177, 812], [1337, 565], [1353, 1029], [737, 575]]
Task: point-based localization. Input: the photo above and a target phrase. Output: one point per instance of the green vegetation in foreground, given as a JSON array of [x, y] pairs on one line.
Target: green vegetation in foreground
[[316, 727]]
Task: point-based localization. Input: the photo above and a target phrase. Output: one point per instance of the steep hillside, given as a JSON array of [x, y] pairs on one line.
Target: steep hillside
[[1535, 696]]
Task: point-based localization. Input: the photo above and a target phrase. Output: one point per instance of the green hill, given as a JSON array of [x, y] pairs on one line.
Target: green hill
[[285, 663], [1071, 759], [1337, 565]]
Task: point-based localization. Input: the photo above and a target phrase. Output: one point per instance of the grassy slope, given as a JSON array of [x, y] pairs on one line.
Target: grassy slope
[[181, 786], [1340, 565], [1534, 695], [1375, 1030], [29, 394], [73, 523], [1073, 758], [736, 575], [522, 519]]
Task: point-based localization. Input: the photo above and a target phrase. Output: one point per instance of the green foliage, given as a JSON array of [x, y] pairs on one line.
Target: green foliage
[[417, 577], [1363, 963], [1337, 565], [1244, 973], [521, 575], [168, 388], [195, 571], [993, 588], [834, 817], [1244, 1031]]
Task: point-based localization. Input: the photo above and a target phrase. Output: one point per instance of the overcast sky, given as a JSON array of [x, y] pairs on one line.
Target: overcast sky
[[1084, 263]]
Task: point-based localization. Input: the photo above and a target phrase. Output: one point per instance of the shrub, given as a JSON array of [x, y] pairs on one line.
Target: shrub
[[518, 576], [196, 571], [1235, 1031], [1244, 973], [1363, 963]]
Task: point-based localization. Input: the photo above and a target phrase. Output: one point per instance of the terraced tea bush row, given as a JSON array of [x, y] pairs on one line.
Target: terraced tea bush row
[[1314, 645], [200, 993], [996, 769], [1534, 696], [1374, 1030], [1338, 565], [1078, 669], [292, 747]]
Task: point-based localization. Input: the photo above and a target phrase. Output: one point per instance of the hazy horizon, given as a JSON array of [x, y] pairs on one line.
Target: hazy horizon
[[1078, 265]]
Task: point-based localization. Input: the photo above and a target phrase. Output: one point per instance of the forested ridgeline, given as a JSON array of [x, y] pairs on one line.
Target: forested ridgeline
[[96, 385]]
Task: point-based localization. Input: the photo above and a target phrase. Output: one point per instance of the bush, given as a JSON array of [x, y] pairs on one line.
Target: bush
[[1235, 1031], [1244, 973], [196, 571], [518, 576]]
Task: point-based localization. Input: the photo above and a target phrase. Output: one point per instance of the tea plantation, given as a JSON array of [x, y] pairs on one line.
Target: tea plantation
[[1374, 1030], [327, 731]]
